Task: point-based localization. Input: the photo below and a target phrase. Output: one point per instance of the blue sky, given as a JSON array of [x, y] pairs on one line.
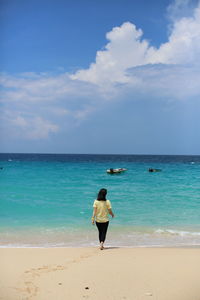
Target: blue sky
[[100, 76]]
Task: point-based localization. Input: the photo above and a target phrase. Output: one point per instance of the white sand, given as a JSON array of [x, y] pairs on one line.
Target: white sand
[[88, 273]]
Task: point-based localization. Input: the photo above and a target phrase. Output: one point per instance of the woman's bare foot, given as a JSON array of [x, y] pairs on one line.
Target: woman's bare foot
[[101, 246]]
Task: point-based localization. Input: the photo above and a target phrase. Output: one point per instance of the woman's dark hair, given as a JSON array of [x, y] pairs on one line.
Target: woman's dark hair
[[102, 195]]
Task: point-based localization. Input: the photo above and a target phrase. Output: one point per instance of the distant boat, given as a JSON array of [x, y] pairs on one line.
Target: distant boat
[[154, 170], [116, 171]]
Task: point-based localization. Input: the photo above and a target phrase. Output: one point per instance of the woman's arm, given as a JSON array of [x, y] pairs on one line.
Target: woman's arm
[[111, 212], [94, 215]]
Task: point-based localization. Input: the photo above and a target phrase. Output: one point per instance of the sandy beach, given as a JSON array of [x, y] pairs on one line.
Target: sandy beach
[[88, 273]]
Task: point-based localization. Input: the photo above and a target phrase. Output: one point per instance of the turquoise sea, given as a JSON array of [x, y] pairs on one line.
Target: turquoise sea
[[46, 200]]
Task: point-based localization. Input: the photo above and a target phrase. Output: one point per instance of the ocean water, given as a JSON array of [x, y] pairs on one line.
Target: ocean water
[[46, 200]]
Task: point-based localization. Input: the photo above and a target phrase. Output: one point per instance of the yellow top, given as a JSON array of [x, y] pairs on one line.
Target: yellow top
[[102, 210]]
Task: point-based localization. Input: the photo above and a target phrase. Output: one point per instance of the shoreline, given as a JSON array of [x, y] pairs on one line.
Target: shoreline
[[107, 247], [115, 273], [127, 237]]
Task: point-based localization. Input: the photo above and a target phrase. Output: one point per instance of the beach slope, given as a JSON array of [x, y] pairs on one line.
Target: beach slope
[[88, 273]]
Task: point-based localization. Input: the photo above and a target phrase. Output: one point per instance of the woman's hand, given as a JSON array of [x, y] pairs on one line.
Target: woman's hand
[[92, 220], [111, 212]]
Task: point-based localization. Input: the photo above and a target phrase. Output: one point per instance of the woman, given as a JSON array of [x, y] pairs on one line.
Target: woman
[[102, 208]]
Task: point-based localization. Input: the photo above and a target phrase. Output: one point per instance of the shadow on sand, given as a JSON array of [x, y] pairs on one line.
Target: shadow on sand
[[110, 248]]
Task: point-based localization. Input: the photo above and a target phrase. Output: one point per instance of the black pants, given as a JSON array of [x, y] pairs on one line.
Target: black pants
[[102, 228]]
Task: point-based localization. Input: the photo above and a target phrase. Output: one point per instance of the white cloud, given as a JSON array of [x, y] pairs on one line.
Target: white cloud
[[19, 121], [183, 46], [40, 128], [36, 106], [169, 82], [126, 49], [181, 8], [41, 88], [28, 126]]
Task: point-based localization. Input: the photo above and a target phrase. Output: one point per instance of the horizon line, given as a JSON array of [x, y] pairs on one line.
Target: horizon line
[[125, 154]]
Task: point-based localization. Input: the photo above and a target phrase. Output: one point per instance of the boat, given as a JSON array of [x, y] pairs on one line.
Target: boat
[[154, 170], [116, 171]]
